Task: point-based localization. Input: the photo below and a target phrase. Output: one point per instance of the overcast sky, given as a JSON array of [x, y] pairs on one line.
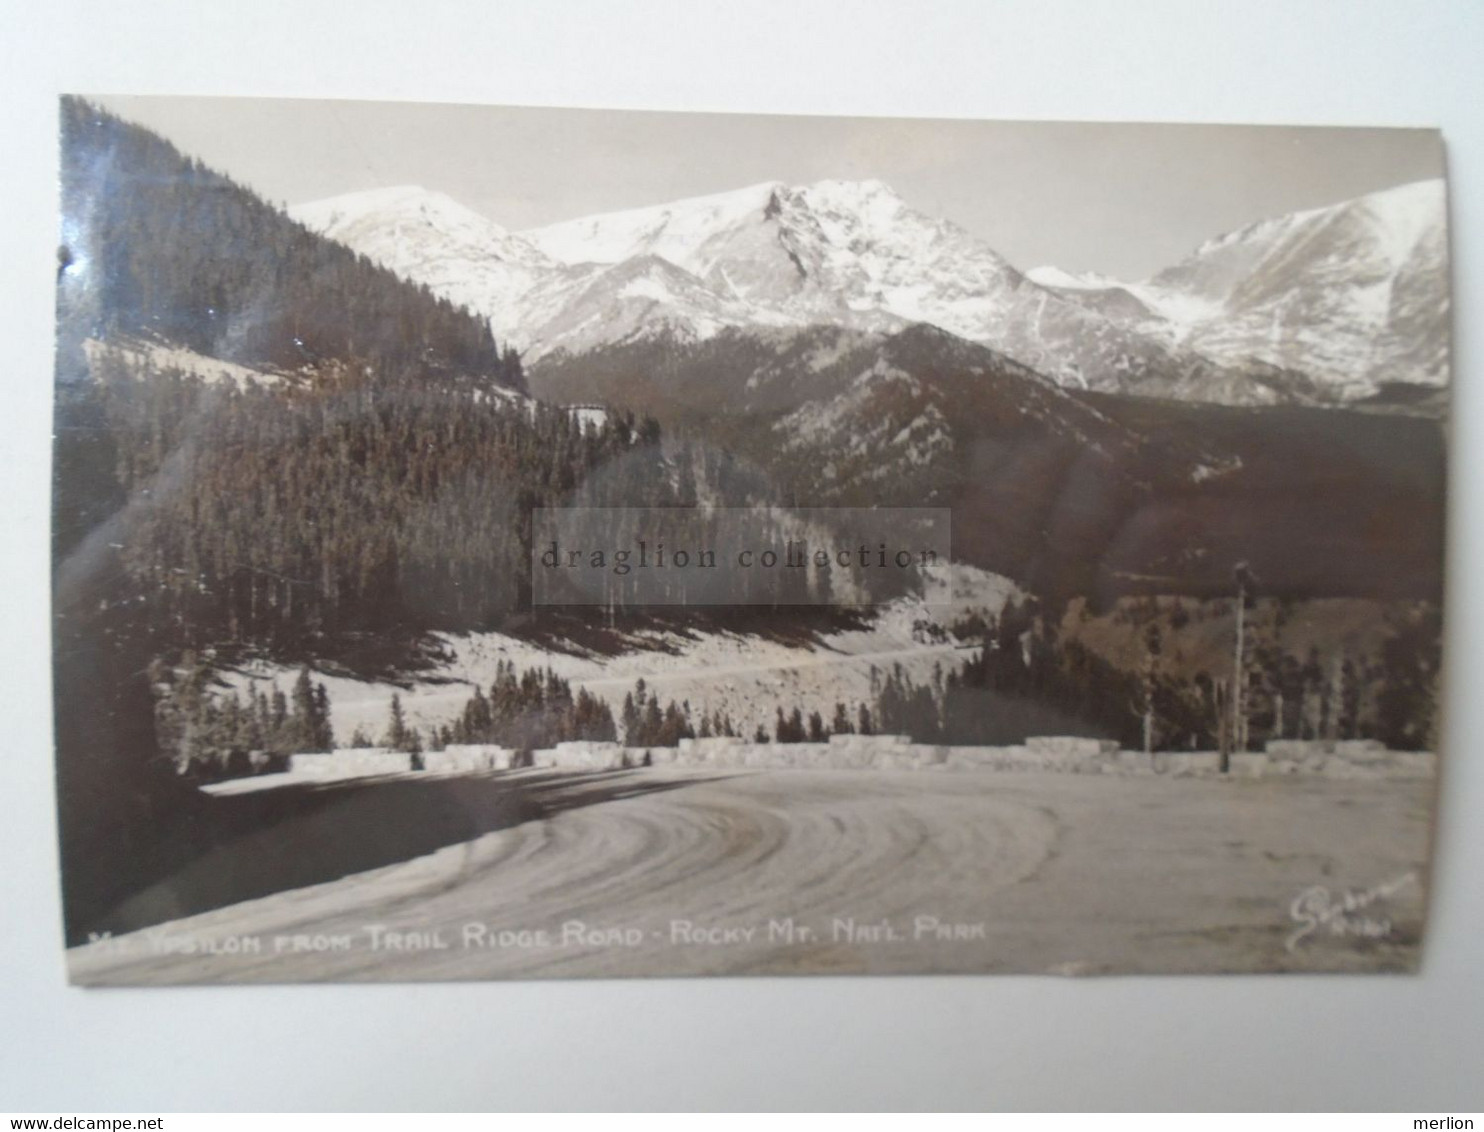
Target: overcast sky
[[1121, 199]]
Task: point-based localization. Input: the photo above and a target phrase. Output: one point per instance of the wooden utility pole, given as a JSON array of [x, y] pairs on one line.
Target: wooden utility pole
[[1223, 725], [1151, 652], [1239, 696], [1243, 577]]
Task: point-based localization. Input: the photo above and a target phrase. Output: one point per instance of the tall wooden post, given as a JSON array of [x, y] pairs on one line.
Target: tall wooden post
[[1223, 724], [1239, 674], [1243, 576]]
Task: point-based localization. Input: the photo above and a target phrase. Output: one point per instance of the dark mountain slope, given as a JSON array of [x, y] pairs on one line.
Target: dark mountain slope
[[158, 245], [1070, 494]]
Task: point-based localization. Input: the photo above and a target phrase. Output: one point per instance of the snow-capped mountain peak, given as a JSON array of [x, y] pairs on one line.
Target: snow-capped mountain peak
[[431, 238], [1050, 276], [1354, 294], [826, 248], [1391, 222], [638, 296], [381, 201], [677, 229], [671, 231], [1321, 304], [409, 213]]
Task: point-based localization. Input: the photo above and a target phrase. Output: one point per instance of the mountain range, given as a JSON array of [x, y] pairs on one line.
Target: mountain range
[[1355, 294], [1330, 305]]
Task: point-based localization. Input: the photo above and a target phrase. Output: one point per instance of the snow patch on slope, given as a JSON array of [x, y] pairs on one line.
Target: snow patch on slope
[[744, 676], [168, 356]]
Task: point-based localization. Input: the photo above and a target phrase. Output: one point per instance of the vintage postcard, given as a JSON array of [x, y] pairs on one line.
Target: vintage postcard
[[518, 543]]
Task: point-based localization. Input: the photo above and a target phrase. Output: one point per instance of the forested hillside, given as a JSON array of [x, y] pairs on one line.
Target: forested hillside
[[286, 518], [1071, 494], [365, 480], [154, 243], [368, 491]]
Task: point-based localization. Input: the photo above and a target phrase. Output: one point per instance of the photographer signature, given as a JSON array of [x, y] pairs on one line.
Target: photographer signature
[[1350, 912]]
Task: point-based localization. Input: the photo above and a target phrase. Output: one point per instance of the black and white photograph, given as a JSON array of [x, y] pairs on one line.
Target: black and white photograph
[[499, 542]]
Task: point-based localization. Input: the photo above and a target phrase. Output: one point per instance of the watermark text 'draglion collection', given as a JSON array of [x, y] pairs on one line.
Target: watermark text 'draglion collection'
[[633, 556]]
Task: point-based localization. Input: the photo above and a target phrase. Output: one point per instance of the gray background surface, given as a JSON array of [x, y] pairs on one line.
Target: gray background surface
[[1281, 1042]]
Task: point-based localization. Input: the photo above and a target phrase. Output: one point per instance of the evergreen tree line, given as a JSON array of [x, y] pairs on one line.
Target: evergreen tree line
[[1023, 683], [721, 507], [383, 484], [205, 735], [793, 728], [157, 244], [272, 515], [275, 515], [1392, 696], [647, 724], [526, 710], [1028, 681], [1388, 693]]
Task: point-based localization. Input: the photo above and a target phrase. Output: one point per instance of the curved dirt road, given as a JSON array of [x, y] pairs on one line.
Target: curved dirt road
[[797, 872]]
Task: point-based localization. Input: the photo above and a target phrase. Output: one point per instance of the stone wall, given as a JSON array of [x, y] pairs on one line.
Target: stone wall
[[356, 763], [1184, 763], [581, 754], [1343, 758], [1044, 754], [841, 752], [1040, 754], [1074, 745], [468, 757]]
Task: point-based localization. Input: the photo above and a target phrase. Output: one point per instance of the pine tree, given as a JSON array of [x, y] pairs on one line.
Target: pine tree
[[816, 728], [397, 737], [323, 733], [841, 723], [302, 727]]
